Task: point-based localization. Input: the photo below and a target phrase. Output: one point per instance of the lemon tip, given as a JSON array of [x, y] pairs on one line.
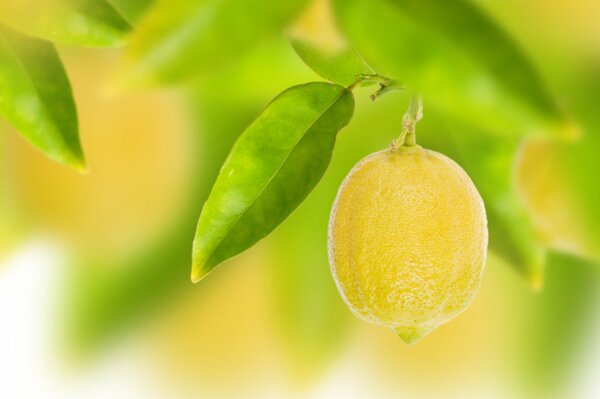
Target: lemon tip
[[411, 335]]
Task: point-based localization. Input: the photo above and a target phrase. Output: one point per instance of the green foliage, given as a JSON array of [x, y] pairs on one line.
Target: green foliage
[[430, 46], [80, 22], [158, 275], [36, 98], [35, 93], [481, 96], [326, 51], [341, 65], [132, 10], [272, 167], [180, 39], [469, 30], [554, 326]]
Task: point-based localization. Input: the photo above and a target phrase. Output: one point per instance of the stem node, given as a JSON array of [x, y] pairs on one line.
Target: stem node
[[410, 119]]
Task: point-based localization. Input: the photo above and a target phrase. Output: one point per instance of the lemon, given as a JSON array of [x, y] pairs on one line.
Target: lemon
[[546, 194], [408, 240]]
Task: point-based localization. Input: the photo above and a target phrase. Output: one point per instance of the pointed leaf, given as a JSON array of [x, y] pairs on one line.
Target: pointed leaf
[[81, 22], [272, 167], [36, 97], [179, 39], [318, 41]]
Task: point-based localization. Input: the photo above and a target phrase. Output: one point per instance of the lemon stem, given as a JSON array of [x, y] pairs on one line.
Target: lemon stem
[[386, 84], [410, 119]]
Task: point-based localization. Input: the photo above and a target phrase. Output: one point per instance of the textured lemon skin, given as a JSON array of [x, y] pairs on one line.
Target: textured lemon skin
[[408, 240]]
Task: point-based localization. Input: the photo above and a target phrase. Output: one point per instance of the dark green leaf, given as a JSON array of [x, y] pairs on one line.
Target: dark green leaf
[[456, 57], [180, 39], [317, 40], [272, 167], [36, 97], [81, 22]]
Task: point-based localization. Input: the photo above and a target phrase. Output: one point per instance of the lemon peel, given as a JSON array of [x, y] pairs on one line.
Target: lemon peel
[[408, 240]]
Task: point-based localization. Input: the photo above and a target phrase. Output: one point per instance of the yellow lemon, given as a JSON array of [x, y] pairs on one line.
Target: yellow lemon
[[408, 240], [547, 196]]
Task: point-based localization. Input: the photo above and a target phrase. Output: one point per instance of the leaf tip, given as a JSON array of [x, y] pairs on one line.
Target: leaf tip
[[197, 274], [132, 75], [536, 281], [81, 167], [535, 274], [571, 130]]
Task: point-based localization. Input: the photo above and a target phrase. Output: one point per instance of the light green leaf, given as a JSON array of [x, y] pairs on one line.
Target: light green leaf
[[36, 97], [467, 28], [180, 39], [80, 22], [456, 57], [272, 167], [318, 41]]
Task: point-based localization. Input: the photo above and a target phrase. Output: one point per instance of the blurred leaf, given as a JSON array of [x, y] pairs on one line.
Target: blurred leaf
[[81, 22], [468, 28], [132, 10], [317, 40], [36, 97], [555, 326], [456, 57], [179, 39], [579, 161], [271, 169]]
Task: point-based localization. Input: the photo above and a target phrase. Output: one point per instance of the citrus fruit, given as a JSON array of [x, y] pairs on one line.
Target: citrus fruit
[[407, 240], [544, 188]]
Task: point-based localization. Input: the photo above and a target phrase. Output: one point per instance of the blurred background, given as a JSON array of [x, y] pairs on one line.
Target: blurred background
[[95, 295]]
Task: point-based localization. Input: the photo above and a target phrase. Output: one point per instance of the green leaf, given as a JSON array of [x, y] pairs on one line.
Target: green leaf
[[102, 307], [272, 167], [132, 10], [555, 327], [467, 28], [318, 41], [456, 57], [36, 97], [180, 39], [80, 22]]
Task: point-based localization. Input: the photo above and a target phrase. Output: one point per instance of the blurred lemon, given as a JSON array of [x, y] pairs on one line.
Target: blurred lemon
[[139, 155], [544, 190], [407, 240]]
